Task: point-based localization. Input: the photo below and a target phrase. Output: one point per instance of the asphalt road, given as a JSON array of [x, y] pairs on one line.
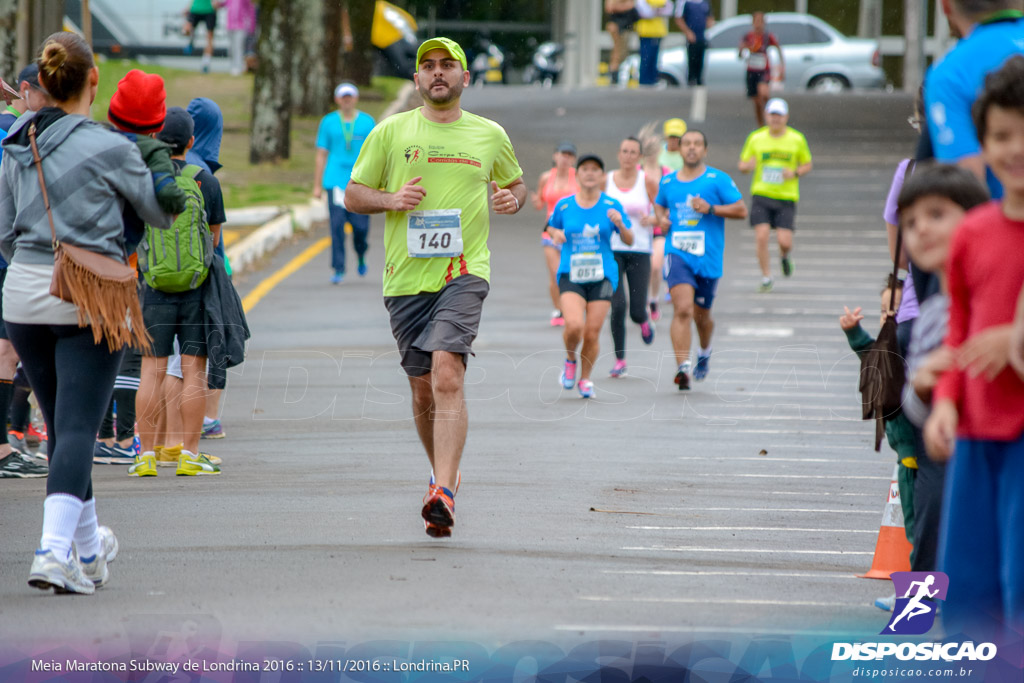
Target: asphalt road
[[744, 506]]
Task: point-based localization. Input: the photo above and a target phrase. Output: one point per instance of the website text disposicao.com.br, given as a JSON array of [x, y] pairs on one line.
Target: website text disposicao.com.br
[[904, 673]]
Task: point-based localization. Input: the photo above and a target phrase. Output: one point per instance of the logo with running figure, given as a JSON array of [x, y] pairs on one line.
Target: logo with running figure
[[414, 154], [915, 608]]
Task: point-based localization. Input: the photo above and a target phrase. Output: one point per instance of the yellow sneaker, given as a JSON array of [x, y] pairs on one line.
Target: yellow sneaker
[[212, 458], [145, 466], [191, 465], [168, 456]]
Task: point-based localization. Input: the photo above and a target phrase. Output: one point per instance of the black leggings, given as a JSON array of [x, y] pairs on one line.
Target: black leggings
[[636, 267], [125, 420], [73, 379]]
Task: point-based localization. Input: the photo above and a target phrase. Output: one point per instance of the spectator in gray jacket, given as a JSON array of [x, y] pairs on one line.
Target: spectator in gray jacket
[[90, 173]]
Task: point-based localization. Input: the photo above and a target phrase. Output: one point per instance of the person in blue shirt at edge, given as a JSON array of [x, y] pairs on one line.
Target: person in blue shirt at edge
[[692, 204], [991, 31], [587, 274], [338, 141], [693, 18]]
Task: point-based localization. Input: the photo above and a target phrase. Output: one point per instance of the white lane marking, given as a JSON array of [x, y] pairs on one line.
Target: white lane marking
[[765, 458], [753, 528], [761, 332], [699, 104], [844, 576], [749, 551], [723, 601], [796, 476], [811, 510], [822, 493]]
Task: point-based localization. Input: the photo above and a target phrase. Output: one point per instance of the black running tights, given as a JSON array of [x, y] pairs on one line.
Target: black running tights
[[73, 379], [635, 267]]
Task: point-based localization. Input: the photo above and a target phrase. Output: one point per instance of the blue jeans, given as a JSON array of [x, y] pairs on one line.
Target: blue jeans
[[649, 48], [360, 229], [981, 544]]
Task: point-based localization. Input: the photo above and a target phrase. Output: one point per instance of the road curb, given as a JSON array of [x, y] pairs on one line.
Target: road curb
[[298, 217]]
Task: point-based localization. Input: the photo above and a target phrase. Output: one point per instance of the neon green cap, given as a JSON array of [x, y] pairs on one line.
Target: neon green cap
[[446, 44]]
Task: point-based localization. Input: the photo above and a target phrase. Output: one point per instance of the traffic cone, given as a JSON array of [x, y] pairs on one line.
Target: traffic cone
[[892, 552]]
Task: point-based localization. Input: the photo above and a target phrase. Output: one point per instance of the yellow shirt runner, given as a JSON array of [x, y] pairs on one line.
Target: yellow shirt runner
[[773, 156], [457, 161]]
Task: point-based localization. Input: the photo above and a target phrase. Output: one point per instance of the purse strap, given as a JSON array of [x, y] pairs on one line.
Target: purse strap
[[37, 160], [899, 243]]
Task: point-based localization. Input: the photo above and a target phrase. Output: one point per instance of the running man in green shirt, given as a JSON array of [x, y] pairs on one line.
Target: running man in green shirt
[[779, 156], [431, 172]]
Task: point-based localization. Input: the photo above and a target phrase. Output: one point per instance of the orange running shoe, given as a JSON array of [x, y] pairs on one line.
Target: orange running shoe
[[435, 530], [439, 511]]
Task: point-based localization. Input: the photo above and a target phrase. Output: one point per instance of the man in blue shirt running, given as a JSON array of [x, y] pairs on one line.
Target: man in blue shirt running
[[693, 204], [338, 141], [992, 31]]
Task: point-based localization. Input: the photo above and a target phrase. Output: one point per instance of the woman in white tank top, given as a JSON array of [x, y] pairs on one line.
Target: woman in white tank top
[[636, 192]]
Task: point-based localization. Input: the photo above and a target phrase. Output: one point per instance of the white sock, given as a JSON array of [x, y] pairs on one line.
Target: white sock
[[684, 366], [60, 520], [766, 279], [87, 535], [207, 421], [705, 352]]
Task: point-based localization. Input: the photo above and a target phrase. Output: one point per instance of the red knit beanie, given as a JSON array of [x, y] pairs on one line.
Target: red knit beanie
[[138, 103]]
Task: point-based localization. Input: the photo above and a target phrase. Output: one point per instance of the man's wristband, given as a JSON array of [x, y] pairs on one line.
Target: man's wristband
[[517, 202], [711, 209]]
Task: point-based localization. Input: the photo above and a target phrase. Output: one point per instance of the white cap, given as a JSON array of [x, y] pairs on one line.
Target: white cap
[[346, 89], [777, 105]]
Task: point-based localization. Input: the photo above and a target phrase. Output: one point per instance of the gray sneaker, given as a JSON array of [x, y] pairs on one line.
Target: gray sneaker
[[17, 466], [63, 577], [17, 442], [96, 570]]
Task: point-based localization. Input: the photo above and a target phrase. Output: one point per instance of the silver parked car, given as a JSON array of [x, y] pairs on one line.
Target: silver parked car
[[817, 56]]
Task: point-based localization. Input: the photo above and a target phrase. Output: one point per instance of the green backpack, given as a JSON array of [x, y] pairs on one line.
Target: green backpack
[[178, 259]]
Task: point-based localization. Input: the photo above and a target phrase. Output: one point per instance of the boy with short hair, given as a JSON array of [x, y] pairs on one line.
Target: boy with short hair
[[979, 400], [178, 315]]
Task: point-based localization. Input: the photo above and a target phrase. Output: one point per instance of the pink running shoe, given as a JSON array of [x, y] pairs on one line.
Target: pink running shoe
[[619, 370], [568, 378]]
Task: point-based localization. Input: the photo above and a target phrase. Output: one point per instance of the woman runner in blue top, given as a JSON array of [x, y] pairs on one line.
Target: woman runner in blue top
[[587, 274]]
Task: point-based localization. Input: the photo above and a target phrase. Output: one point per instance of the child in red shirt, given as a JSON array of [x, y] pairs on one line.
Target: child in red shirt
[[979, 401]]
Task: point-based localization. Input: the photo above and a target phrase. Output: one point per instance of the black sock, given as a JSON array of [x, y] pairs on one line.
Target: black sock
[[21, 411], [6, 394]]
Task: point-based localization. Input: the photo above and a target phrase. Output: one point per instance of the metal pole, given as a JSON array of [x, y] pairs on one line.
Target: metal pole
[[914, 28], [801, 6], [729, 8]]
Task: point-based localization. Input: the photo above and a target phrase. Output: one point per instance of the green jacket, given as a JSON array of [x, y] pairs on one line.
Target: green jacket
[[157, 157], [898, 431]]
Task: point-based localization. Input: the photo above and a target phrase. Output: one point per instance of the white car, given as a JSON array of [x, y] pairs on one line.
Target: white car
[[817, 56]]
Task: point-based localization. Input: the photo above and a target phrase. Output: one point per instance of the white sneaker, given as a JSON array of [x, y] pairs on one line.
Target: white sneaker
[[63, 577], [96, 571]]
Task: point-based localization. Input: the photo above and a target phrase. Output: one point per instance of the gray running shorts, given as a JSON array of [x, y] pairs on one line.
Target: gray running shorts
[[445, 320]]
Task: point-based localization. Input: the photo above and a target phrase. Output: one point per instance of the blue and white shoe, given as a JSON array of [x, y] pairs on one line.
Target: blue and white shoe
[[586, 388], [701, 371], [95, 568], [63, 577]]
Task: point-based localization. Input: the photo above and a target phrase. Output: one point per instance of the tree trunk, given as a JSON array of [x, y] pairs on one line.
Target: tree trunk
[[357, 63], [310, 79], [271, 90], [9, 41], [332, 51]]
